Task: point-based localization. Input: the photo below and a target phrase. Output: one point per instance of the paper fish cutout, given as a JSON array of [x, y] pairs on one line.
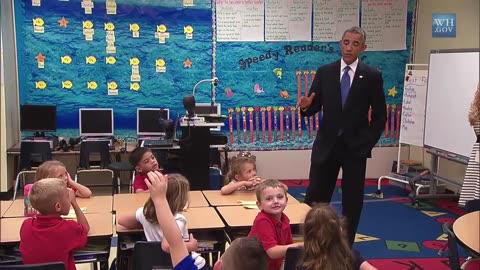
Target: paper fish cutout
[[90, 60], [66, 59], [257, 89], [284, 94], [278, 72], [112, 85], [40, 85], [92, 85], [135, 86], [67, 84]]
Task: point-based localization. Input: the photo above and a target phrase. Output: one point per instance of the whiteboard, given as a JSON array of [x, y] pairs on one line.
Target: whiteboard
[[413, 105], [452, 81]]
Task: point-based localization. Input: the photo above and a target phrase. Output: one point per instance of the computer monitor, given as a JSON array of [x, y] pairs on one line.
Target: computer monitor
[[148, 123], [96, 122], [38, 118], [208, 109]]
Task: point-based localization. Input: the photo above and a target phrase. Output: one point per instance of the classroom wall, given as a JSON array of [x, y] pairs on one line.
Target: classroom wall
[[467, 37], [9, 103], [272, 163]]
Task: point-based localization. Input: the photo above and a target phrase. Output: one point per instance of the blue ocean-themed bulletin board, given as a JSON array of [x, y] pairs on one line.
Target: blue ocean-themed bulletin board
[[127, 54]]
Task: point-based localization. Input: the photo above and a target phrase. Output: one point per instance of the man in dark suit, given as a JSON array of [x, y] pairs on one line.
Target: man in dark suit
[[345, 91]]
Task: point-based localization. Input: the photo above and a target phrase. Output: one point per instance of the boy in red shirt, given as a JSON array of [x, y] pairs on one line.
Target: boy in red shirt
[[144, 161], [272, 226], [47, 237]]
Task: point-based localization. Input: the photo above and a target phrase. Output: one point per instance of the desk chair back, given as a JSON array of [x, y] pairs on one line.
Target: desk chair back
[[41, 266], [32, 154], [87, 148], [292, 258], [453, 258], [149, 255], [88, 165]]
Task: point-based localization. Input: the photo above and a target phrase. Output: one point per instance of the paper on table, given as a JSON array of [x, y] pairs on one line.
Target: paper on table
[[71, 214], [248, 204]]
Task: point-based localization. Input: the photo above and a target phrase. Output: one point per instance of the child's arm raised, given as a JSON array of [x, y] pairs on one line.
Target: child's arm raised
[[81, 190], [78, 212], [157, 185]]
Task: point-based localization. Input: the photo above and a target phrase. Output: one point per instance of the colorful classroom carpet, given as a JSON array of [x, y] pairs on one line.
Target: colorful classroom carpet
[[392, 233]]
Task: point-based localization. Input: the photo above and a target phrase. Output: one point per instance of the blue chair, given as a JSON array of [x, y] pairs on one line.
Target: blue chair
[[150, 255]]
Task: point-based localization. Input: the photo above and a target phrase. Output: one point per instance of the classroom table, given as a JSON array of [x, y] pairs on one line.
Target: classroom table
[[132, 201], [239, 219], [215, 197], [4, 205], [204, 222], [100, 226], [94, 204], [467, 230]]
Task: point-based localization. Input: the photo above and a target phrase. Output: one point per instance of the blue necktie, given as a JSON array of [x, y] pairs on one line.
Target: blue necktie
[[345, 84]]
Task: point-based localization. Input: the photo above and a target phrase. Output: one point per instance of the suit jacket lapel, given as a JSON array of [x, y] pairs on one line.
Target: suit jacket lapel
[[336, 85]]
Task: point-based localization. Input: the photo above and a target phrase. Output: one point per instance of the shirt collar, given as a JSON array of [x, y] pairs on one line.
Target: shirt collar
[[47, 220], [353, 66], [275, 221]]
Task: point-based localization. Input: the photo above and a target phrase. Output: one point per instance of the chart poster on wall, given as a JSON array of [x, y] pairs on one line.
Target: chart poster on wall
[[121, 54], [413, 107]]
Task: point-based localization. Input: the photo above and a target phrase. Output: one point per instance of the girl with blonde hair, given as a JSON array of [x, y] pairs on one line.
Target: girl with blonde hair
[[56, 169], [242, 175], [471, 182]]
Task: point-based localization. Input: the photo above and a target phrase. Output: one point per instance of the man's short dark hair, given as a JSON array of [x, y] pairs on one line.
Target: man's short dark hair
[[137, 154], [356, 30]]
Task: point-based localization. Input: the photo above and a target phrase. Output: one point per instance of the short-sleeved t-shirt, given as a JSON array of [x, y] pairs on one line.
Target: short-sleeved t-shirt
[[271, 232], [38, 233]]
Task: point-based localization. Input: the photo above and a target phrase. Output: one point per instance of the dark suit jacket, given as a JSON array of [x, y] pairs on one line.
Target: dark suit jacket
[[366, 91]]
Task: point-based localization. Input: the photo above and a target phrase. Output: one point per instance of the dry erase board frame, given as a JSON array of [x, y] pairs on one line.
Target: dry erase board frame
[[452, 82]]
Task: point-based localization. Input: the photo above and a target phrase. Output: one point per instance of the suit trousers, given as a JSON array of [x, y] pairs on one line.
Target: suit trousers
[[323, 177]]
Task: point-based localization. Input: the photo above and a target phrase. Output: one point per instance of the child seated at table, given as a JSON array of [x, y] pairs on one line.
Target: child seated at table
[[243, 253], [326, 245], [56, 169], [146, 217], [47, 237], [271, 226], [144, 161], [242, 175]]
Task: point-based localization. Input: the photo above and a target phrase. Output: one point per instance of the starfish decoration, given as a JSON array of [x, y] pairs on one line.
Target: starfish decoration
[[392, 92], [40, 57], [187, 63], [63, 22]]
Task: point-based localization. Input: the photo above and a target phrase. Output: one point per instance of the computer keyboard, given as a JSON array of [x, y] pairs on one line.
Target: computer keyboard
[[152, 143]]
